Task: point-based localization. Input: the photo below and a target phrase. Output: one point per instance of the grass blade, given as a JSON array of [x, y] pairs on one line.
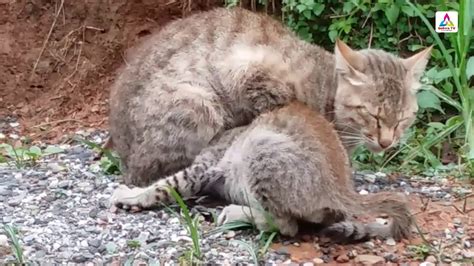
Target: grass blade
[[230, 226], [11, 233], [268, 242], [249, 248], [189, 222]]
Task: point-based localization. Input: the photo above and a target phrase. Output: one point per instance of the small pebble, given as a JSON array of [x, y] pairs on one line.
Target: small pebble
[[368, 245], [318, 261], [352, 254], [390, 242], [431, 259], [468, 254], [425, 263], [3, 240], [467, 244], [342, 258], [363, 192], [230, 234], [283, 251]]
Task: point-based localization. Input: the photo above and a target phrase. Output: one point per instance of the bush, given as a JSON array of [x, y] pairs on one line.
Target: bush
[[446, 100]]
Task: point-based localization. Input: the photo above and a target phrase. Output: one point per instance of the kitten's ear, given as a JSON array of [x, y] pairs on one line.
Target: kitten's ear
[[416, 64], [346, 58], [348, 63]]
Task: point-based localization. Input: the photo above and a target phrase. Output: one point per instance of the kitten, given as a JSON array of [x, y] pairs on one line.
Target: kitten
[[217, 70], [288, 162]]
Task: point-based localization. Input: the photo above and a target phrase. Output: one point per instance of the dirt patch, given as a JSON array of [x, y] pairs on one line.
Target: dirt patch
[[433, 219], [58, 58]]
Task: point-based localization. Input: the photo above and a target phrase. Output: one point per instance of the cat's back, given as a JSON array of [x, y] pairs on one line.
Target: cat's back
[[207, 35], [314, 133]]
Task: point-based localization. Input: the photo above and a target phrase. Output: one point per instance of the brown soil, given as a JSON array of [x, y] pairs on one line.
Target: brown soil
[[64, 86], [433, 218]]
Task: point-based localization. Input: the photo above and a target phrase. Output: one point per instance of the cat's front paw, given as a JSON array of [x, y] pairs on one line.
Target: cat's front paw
[[134, 199], [233, 213]]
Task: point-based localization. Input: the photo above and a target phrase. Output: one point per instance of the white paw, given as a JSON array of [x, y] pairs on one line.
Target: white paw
[[233, 213], [129, 197]]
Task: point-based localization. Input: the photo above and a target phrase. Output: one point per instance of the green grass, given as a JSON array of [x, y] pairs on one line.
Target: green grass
[[110, 162], [12, 234], [250, 249], [460, 74], [191, 225], [256, 250], [24, 156], [133, 244]]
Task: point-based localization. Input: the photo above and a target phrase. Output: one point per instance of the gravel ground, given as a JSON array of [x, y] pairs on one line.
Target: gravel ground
[[60, 207]]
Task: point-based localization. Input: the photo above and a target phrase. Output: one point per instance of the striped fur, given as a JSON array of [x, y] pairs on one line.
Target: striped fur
[[217, 70], [288, 163]]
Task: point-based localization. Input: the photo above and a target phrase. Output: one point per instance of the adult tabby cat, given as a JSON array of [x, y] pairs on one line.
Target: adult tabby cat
[[288, 162], [218, 70]]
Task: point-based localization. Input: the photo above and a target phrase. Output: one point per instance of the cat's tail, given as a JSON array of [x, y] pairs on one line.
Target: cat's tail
[[392, 204]]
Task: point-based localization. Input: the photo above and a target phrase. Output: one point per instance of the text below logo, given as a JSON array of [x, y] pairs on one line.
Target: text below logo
[[446, 21]]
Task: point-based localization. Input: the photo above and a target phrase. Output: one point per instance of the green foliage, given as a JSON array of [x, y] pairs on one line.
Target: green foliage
[[447, 88], [447, 98], [420, 252], [133, 244], [192, 225], [12, 234], [251, 249], [110, 162], [391, 25], [25, 156]]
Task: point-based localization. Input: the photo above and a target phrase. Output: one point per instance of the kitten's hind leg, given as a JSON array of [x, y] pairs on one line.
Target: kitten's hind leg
[[187, 183], [263, 221]]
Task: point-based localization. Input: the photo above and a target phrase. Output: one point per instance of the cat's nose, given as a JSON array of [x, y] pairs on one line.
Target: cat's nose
[[385, 143]]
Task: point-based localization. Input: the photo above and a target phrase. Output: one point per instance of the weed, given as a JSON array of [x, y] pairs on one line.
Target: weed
[[459, 72], [266, 239], [109, 163], [420, 251], [12, 233], [133, 244], [26, 156], [446, 100], [191, 225], [252, 250]]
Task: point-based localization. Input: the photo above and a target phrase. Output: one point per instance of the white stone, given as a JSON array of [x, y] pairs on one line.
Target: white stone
[[56, 246], [390, 241], [467, 244], [363, 192], [318, 261], [426, 263], [3, 240], [380, 174], [173, 220], [370, 178], [54, 183]]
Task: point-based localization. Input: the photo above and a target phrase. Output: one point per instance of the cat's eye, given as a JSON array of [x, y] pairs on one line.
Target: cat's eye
[[361, 109]]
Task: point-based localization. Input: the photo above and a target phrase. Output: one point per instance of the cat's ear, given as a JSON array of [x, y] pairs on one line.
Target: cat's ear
[[348, 63], [416, 64]]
